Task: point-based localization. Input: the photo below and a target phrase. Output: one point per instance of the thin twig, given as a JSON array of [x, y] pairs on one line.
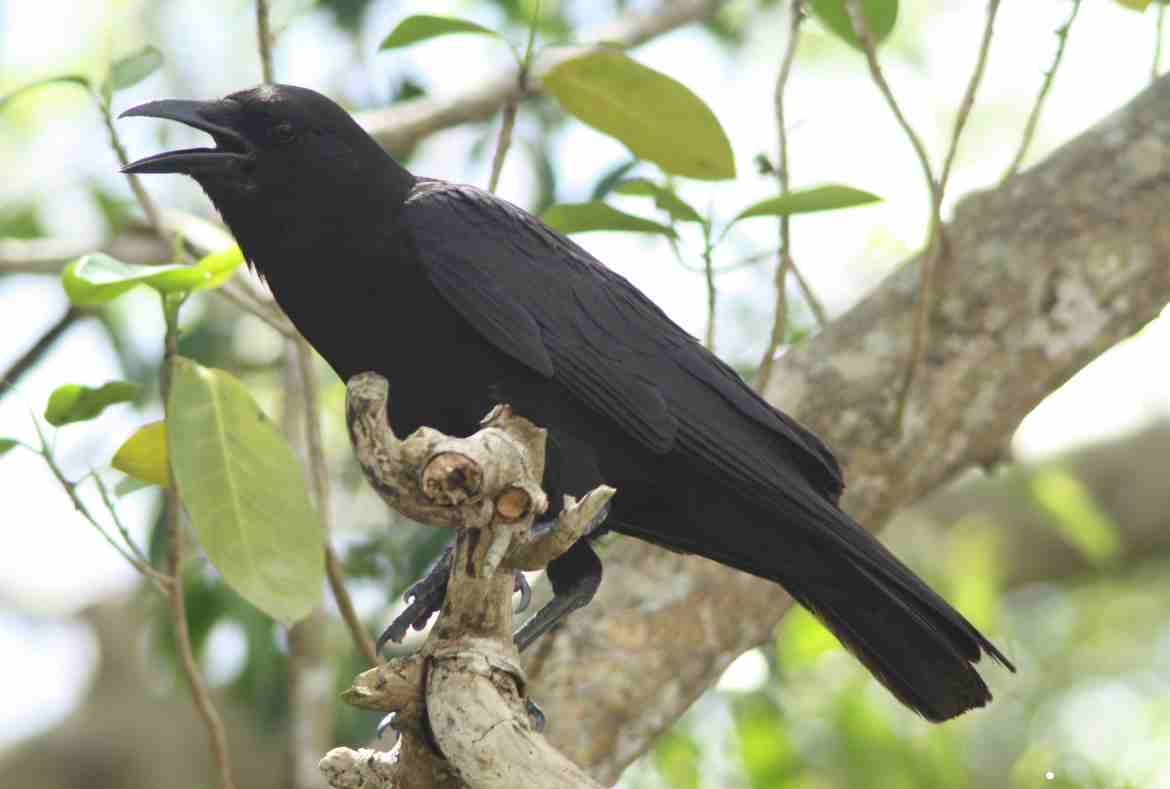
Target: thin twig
[[508, 117], [104, 492], [969, 96], [336, 575], [140, 194], [1156, 66], [1045, 87], [818, 309], [178, 606], [27, 360], [780, 311], [243, 299], [935, 244], [861, 29], [160, 581], [264, 41], [319, 472]]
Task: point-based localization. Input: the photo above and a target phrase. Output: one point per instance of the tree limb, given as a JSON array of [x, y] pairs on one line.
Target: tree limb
[[459, 704], [1045, 273]]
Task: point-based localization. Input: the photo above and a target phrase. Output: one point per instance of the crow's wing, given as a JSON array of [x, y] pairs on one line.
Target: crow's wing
[[545, 301]]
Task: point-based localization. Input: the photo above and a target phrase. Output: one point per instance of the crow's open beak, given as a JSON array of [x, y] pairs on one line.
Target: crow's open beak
[[212, 117]]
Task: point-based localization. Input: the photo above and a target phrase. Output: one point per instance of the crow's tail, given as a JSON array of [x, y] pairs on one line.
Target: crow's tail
[[911, 639]]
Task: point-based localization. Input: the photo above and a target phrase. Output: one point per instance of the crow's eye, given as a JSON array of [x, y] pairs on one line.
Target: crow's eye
[[283, 133]]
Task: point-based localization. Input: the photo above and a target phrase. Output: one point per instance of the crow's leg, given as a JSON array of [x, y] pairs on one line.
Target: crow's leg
[[426, 596], [575, 576]]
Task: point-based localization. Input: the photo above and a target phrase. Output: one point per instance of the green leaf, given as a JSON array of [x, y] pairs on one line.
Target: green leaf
[[67, 79], [421, 27], [242, 486], [131, 69], [7, 444], [1075, 514], [584, 217], [664, 197], [659, 120], [880, 16], [1136, 5], [77, 403], [98, 278], [219, 266], [829, 197], [144, 456]]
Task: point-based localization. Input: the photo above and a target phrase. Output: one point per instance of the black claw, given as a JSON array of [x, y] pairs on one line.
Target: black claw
[[425, 597], [535, 716], [520, 584]]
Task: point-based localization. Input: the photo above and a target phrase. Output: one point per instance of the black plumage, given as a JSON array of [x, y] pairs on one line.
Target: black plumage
[[463, 300]]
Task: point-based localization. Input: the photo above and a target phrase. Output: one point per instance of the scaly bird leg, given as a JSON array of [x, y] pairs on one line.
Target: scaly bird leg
[[425, 598], [575, 576]]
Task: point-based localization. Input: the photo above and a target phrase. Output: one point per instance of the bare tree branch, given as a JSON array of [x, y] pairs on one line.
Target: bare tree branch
[[459, 704], [42, 345], [1046, 273]]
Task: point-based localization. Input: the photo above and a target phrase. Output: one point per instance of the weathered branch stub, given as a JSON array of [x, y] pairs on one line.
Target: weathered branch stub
[[460, 703]]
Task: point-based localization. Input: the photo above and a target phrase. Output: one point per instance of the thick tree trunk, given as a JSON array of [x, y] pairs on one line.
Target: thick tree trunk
[[1044, 273]]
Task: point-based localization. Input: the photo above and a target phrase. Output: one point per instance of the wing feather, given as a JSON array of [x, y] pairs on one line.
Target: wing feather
[[548, 303]]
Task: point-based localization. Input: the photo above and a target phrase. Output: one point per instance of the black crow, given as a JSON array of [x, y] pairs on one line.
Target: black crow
[[462, 300]]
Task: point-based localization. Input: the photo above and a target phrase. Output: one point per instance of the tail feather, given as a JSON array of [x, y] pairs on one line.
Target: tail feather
[[911, 644], [909, 638]]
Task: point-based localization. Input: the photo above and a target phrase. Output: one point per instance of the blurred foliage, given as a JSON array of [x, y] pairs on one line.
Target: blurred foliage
[[1090, 708]]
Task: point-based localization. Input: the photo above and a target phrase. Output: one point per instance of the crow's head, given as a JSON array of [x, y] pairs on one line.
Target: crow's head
[[290, 168], [270, 142]]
